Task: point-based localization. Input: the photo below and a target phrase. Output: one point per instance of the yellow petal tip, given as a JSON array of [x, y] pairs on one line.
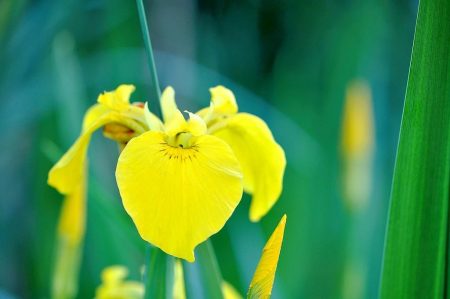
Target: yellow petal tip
[[168, 104], [223, 100], [263, 279], [254, 217], [283, 219]]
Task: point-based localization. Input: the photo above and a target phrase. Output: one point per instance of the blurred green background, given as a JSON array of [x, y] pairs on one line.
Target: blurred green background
[[287, 61]]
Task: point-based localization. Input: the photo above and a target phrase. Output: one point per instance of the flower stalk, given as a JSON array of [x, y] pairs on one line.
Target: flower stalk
[[148, 49]]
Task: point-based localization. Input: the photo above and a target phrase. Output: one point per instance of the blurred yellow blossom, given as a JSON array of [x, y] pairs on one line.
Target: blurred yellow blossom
[[179, 290], [71, 228], [114, 285], [357, 144]]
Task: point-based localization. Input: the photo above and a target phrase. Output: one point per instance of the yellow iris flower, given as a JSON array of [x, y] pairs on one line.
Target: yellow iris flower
[[180, 180], [114, 287], [179, 184]]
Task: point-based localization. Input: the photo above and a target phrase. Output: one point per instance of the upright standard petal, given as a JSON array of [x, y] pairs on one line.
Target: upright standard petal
[[262, 282], [262, 159], [153, 122], [178, 197], [223, 100], [168, 104]]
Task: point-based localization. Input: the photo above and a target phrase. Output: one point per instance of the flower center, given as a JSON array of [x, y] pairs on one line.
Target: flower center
[[179, 153], [181, 140]]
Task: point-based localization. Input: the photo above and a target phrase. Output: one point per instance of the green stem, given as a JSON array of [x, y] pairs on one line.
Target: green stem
[[158, 275], [203, 278], [148, 49]]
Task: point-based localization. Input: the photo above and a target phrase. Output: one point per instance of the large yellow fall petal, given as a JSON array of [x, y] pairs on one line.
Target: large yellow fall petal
[[262, 282], [262, 159], [72, 219], [68, 172], [178, 197], [92, 115], [66, 175]]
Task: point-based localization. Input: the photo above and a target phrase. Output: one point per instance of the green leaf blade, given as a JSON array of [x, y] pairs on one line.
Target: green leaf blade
[[415, 255]]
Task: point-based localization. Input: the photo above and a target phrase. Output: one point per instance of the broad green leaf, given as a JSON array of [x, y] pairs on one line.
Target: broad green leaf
[[416, 243]]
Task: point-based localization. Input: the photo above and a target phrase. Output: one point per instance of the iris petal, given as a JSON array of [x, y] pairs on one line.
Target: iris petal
[[118, 99], [73, 215], [168, 104], [178, 197], [114, 285], [153, 122], [196, 125], [175, 124], [262, 160], [223, 100], [262, 282], [68, 172], [93, 114]]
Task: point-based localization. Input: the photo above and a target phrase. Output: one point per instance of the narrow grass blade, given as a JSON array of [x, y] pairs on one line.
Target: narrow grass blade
[[415, 255]]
